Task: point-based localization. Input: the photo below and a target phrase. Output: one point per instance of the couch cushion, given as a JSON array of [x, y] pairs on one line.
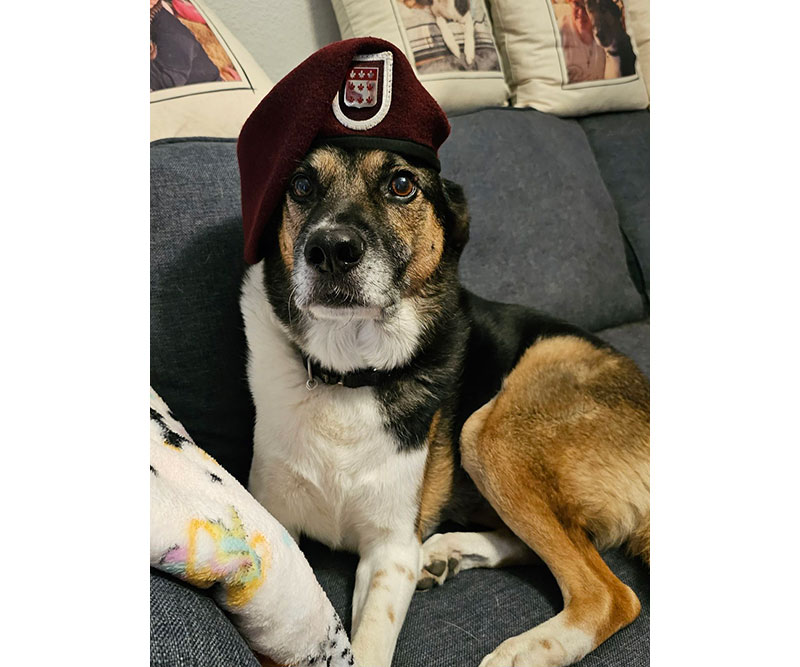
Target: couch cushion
[[633, 340], [188, 628], [544, 229], [460, 622], [197, 345], [621, 145]]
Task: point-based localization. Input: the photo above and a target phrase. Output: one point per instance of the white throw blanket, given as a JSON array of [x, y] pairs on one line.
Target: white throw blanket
[[206, 529]]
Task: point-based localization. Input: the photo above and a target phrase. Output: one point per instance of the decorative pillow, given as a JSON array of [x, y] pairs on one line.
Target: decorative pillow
[[449, 43], [570, 57], [202, 81], [639, 15]]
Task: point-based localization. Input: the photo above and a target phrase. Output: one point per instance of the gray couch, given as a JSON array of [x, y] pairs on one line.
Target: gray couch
[[560, 221]]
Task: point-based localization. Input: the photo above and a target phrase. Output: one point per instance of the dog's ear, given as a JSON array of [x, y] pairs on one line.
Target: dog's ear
[[457, 214]]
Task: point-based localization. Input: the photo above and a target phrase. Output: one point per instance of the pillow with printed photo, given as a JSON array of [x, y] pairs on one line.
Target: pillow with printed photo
[[571, 57], [449, 42], [202, 81]]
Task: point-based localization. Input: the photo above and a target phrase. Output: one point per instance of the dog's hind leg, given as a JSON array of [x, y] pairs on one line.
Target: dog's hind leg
[[596, 603], [562, 452]]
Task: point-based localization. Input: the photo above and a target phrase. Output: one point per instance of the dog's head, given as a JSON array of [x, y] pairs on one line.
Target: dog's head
[[364, 241]]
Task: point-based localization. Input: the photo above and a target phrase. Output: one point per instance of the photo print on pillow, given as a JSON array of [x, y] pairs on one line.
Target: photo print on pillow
[[594, 43], [450, 43], [202, 80], [570, 57], [449, 36]]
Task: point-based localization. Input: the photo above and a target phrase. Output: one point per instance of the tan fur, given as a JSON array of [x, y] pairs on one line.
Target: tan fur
[[401, 569], [437, 482], [427, 250], [414, 223], [327, 164], [287, 235], [562, 454]]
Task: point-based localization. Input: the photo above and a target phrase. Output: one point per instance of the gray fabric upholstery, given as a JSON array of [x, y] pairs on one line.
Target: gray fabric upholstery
[[632, 340], [197, 345], [457, 624], [187, 629], [544, 229], [621, 146]]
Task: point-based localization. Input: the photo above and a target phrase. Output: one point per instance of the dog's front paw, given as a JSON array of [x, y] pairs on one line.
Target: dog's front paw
[[440, 561]]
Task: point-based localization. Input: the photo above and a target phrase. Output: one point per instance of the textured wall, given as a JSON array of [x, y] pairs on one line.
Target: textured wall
[[278, 33]]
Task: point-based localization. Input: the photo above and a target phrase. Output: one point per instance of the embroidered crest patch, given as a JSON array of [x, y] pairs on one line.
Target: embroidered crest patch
[[366, 94]]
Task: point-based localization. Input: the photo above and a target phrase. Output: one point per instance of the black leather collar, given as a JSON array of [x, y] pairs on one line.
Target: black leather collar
[[363, 377]]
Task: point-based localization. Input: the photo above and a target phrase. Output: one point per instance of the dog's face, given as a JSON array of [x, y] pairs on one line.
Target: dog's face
[[361, 230], [363, 256]]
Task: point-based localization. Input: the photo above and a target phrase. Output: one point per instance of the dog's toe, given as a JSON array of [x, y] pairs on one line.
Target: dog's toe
[[437, 567], [425, 583]]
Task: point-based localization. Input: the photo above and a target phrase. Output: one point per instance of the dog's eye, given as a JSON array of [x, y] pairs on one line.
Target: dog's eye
[[301, 186], [402, 185]]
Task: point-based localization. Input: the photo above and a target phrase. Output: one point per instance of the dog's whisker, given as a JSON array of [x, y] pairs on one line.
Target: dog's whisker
[[289, 303]]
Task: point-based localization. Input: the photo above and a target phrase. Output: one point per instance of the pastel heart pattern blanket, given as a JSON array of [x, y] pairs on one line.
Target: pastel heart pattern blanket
[[207, 530]]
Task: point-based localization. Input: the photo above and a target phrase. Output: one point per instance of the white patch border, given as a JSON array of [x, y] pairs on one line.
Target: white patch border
[[386, 99]]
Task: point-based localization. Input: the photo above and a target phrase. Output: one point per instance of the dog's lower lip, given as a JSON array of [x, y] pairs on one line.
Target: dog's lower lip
[[321, 311]]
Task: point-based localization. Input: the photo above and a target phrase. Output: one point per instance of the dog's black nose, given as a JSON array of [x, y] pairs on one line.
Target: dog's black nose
[[335, 250]]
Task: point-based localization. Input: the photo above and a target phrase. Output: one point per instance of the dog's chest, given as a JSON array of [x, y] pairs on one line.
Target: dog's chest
[[324, 464]]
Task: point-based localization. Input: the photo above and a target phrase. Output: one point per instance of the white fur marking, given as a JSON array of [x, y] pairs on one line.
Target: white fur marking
[[551, 644], [323, 462], [384, 343]]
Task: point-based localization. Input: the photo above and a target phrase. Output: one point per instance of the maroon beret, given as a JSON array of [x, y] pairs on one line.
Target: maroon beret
[[359, 92]]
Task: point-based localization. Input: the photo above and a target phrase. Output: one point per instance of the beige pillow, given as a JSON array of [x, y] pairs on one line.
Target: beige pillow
[[202, 80], [639, 14], [453, 53], [556, 65]]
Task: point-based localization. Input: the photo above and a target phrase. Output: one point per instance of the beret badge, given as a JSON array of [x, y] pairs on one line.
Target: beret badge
[[366, 94]]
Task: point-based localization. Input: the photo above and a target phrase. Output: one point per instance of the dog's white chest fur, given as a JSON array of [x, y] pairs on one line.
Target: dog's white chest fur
[[323, 462]]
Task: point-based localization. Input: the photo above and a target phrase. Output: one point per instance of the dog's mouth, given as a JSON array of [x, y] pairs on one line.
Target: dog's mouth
[[341, 300], [362, 293], [335, 292]]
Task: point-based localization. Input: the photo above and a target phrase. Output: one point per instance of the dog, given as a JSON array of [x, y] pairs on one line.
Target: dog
[[389, 399], [609, 32], [445, 12]]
